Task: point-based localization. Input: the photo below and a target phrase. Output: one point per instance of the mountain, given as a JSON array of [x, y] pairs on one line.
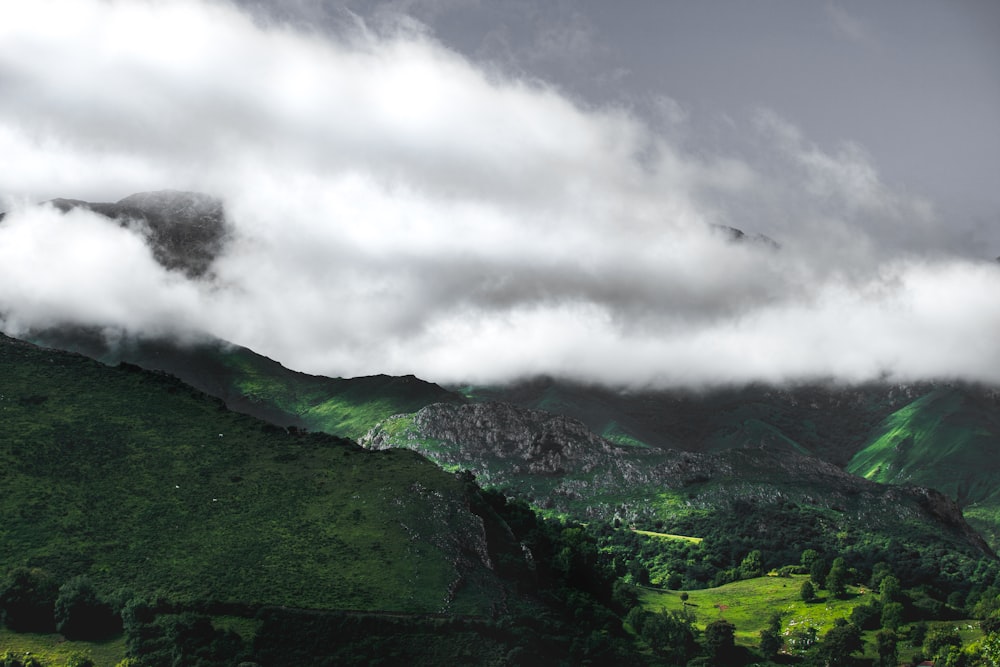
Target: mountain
[[829, 422], [186, 231], [135, 479], [253, 384], [948, 438], [558, 464]]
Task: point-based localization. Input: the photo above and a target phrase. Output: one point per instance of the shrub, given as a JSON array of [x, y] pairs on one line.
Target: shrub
[[80, 614], [28, 600]]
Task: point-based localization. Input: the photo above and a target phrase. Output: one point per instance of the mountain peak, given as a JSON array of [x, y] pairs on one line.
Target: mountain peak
[[186, 231]]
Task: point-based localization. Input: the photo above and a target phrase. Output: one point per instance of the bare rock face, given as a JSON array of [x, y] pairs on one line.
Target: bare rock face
[[543, 442]]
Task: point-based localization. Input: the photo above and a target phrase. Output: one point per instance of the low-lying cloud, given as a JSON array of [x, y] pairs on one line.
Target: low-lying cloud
[[397, 208]]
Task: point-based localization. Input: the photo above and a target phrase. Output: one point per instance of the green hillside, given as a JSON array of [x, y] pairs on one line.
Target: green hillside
[[830, 422], [743, 498], [948, 439], [136, 479], [255, 385]]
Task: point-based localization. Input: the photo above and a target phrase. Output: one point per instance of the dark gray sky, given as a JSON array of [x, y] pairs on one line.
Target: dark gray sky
[[916, 83], [485, 190]]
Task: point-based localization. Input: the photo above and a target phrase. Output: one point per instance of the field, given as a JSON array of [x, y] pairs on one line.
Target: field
[[748, 604], [669, 536], [54, 651]]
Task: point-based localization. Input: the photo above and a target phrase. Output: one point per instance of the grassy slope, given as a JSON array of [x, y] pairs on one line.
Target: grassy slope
[[55, 651], [253, 384], [691, 494], [748, 605], [948, 439], [829, 422], [137, 479]]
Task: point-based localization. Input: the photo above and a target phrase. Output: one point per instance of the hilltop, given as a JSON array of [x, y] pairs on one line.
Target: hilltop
[[133, 478]]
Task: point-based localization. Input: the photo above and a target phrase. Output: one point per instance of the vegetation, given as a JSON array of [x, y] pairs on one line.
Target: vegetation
[[248, 542], [253, 384], [130, 478], [946, 439]]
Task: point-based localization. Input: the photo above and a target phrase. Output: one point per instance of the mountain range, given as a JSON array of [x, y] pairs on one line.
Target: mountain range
[[207, 474]]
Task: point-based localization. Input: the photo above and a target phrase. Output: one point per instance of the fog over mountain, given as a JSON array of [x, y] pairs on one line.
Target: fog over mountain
[[397, 205]]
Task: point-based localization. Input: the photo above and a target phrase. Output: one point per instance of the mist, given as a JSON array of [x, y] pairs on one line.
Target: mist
[[397, 207]]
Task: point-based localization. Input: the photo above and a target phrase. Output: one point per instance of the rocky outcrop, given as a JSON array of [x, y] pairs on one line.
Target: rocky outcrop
[[556, 463]]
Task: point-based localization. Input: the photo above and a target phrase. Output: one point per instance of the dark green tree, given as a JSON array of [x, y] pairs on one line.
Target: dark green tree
[[770, 637], [808, 591], [836, 578], [940, 639], [867, 616], [28, 599], [886, 644], [670, 635], [81, 615], [889, 589], [880, 571], [840, 643], [892, 616], [817, 572], [752, 565], [720, 641]]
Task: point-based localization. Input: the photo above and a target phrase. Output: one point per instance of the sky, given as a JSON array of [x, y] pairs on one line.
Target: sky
[[476, 191]]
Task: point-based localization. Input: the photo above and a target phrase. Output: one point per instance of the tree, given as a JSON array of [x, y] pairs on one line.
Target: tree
[[867, 616], [892, 615], [751, 566], [840, 642], [991, 648], [939, 639], [836, 578], [880, 571], [28, 600], [670, 635], [817, 573], [81, 615], [886, 642], [720, 641], [770, 637], [889, 589], [808, 591]]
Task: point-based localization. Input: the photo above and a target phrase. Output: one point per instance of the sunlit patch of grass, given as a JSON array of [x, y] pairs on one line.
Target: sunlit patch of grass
[[55, 651], [748, 605], [669, 536]]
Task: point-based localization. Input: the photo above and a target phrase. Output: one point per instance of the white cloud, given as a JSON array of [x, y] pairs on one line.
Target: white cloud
[[396, 209]]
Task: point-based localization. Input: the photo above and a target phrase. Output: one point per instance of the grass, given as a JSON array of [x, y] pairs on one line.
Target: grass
[[54, 651], [747, 604], [669, 536], [344, 407], [137, 480], [947, 440]]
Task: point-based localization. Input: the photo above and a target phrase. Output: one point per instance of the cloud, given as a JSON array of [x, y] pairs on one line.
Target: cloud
[[396, 208], [848, 25]]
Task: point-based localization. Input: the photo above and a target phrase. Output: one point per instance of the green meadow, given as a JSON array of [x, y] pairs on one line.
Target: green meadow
[[747, 604], [55, 651]]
